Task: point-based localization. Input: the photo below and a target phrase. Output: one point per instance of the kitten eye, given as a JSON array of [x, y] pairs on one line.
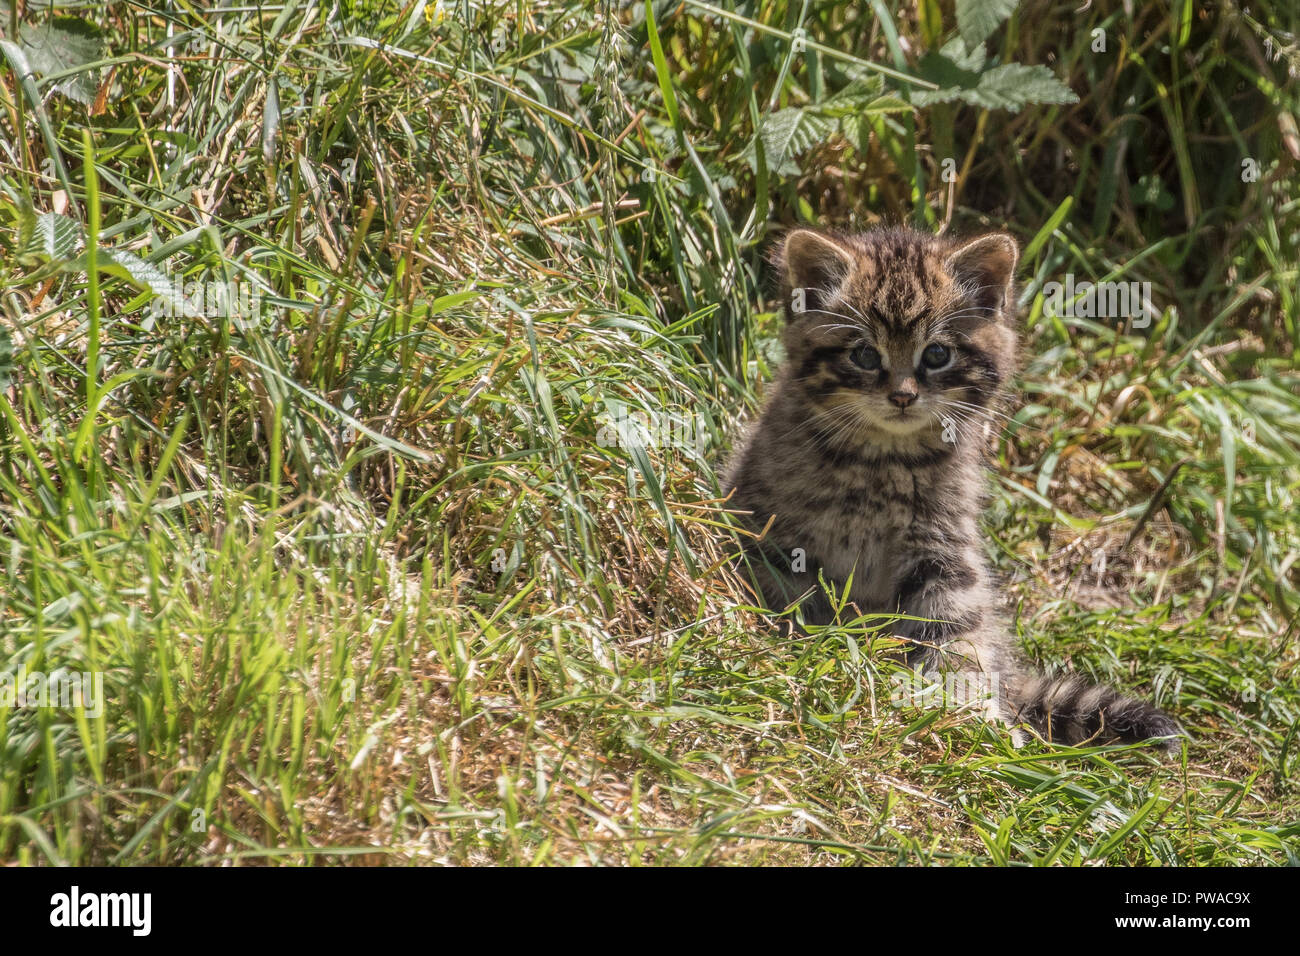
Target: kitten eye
[[935, 355], [864, 356]]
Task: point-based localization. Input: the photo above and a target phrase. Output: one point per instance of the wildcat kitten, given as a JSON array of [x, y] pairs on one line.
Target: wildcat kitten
[[868, 461]]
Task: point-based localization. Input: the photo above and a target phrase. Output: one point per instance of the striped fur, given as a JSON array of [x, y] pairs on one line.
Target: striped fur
[[1069, 710], [869, 460]]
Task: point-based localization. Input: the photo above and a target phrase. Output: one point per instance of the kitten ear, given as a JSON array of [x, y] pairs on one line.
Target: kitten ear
[[815, 266], [987, 265]]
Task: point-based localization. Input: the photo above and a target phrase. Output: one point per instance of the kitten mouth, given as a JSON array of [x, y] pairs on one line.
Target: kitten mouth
[[905, 421], [913, 415]]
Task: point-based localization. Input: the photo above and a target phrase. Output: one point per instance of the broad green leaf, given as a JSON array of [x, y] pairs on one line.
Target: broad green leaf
[[788, 132], [952, 68], [57, 239], [144, 274], [1015, 85], [64, 44], [964, 56], [976, 19], [887, 104], [861, 97], [26, 79], [853, 97], [1009, 87], [54, 238]]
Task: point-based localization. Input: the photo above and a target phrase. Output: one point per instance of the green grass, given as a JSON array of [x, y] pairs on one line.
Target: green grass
[[365, 585]]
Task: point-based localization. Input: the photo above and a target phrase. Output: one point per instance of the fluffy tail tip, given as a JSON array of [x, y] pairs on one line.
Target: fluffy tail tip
[[1069, 710]]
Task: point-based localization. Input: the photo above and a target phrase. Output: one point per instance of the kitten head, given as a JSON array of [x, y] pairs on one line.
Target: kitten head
[[895, 338]]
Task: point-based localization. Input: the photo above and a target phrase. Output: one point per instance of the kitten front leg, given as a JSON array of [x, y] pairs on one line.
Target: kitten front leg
[[958, 639], [950, 593]]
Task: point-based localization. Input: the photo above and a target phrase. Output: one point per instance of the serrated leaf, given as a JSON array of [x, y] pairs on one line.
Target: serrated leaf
[[26, 79], [853, 97], [859, 103], [887, 104], [858, 128], [976, 19], [144, 274], [1009, 87], [964, 56], [1015, 85], [54, 238], [951, 69], [788, 132], [62, 44]]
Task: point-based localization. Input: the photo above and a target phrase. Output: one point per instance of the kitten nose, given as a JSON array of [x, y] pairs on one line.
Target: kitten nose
[[902, 399]]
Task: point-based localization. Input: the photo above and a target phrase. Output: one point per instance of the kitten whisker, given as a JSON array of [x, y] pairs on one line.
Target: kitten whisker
[[994, 413], [830, 416], [980, 409], [973, 413], [961, 423]]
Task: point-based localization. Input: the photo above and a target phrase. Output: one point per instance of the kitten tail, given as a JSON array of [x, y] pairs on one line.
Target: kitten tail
[[1069, 710]]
